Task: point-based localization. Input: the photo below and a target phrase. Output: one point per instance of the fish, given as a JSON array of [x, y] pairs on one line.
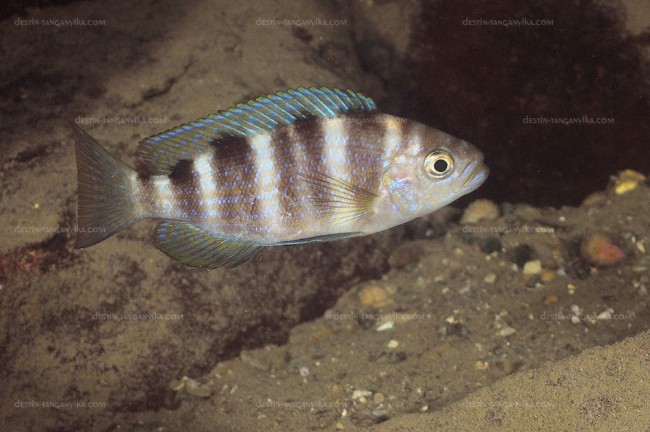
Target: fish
[[296, 166]]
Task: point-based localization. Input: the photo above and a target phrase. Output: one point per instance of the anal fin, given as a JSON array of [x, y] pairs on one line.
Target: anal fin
[[196, 247]]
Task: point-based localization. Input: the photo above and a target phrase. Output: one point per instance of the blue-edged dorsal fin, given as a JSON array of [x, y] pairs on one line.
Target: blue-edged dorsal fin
[[196, 247], [161, 152]]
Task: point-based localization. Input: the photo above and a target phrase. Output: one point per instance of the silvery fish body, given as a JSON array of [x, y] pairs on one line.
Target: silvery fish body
[[292, 167]]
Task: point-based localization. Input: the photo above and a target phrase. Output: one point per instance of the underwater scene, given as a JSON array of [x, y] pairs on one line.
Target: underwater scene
[[324, 215]]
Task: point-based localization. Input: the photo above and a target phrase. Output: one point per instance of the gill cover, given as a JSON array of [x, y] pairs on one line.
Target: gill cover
[[401, 187]]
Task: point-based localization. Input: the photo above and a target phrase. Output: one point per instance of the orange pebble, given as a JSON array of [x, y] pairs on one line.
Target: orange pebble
[[598, 249], [551, 299]]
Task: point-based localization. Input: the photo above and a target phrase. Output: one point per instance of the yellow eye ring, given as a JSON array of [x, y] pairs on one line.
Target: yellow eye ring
[[438, 164]]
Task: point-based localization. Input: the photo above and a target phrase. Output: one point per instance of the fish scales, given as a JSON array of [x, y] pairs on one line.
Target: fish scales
[[294, 167], [240, 190], [290, 156]]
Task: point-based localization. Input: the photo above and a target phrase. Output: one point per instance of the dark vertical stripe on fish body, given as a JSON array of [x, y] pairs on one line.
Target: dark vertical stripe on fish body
[[365, 149], [308, 133], [186, 190], [234, 176]]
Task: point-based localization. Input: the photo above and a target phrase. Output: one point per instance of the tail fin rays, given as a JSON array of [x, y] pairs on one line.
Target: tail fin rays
[[106, 204]]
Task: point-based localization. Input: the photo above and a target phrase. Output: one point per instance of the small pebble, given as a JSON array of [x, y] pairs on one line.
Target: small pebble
[[606, 314], [571, 288], [598, 249], [507, 331], [481, 209], [372, 295], [339, 426], [551, 299], [358, 394], [533, 267], [548, 275], [193, 388], [490, 278], [575, 319], [378, 398], [392, 343], [386, 325], [303, 371], [481, 365], [631, 175], [625, 186]]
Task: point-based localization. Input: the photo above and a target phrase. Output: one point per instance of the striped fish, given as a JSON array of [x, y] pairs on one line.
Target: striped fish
[[293, 167]]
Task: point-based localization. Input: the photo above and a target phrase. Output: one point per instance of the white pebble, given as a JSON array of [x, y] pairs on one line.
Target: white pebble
[[532, 267], [606, 314], [490, 278], [386, 326], [357, 394], [392, 343]]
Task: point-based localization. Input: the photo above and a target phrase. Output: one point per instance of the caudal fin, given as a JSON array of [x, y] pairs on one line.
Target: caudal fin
[[106, 204]]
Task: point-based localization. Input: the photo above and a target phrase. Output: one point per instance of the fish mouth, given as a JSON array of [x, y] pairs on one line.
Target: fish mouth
[[475, 174]]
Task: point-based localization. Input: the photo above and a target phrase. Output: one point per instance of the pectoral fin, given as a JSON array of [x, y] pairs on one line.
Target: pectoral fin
[[344, 201]]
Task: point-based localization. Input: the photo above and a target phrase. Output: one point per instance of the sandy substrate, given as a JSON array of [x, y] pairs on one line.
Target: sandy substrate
[[439, 332], [429, 326]]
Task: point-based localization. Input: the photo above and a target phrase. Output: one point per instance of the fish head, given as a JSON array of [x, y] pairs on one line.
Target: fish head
[[431, 172]]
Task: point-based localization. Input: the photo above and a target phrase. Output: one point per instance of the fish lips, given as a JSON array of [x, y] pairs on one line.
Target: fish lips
[[475, 175]]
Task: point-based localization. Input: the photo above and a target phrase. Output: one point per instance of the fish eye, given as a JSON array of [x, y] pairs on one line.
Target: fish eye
[[438, 164]]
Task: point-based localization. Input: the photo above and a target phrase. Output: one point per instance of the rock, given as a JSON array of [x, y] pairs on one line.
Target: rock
[[507, 331], [627, 181], [372, 295], [625, 186], [532, 267], [598, 249], [480, 210], [548, 275]]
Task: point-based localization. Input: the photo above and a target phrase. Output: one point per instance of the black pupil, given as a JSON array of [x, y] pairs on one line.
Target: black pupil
[[440, 165]]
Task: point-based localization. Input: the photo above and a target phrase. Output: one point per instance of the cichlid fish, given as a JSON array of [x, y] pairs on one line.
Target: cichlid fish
[[293, 167]]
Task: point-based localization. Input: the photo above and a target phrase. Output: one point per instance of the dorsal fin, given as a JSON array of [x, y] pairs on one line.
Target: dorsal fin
[[161, 152]]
